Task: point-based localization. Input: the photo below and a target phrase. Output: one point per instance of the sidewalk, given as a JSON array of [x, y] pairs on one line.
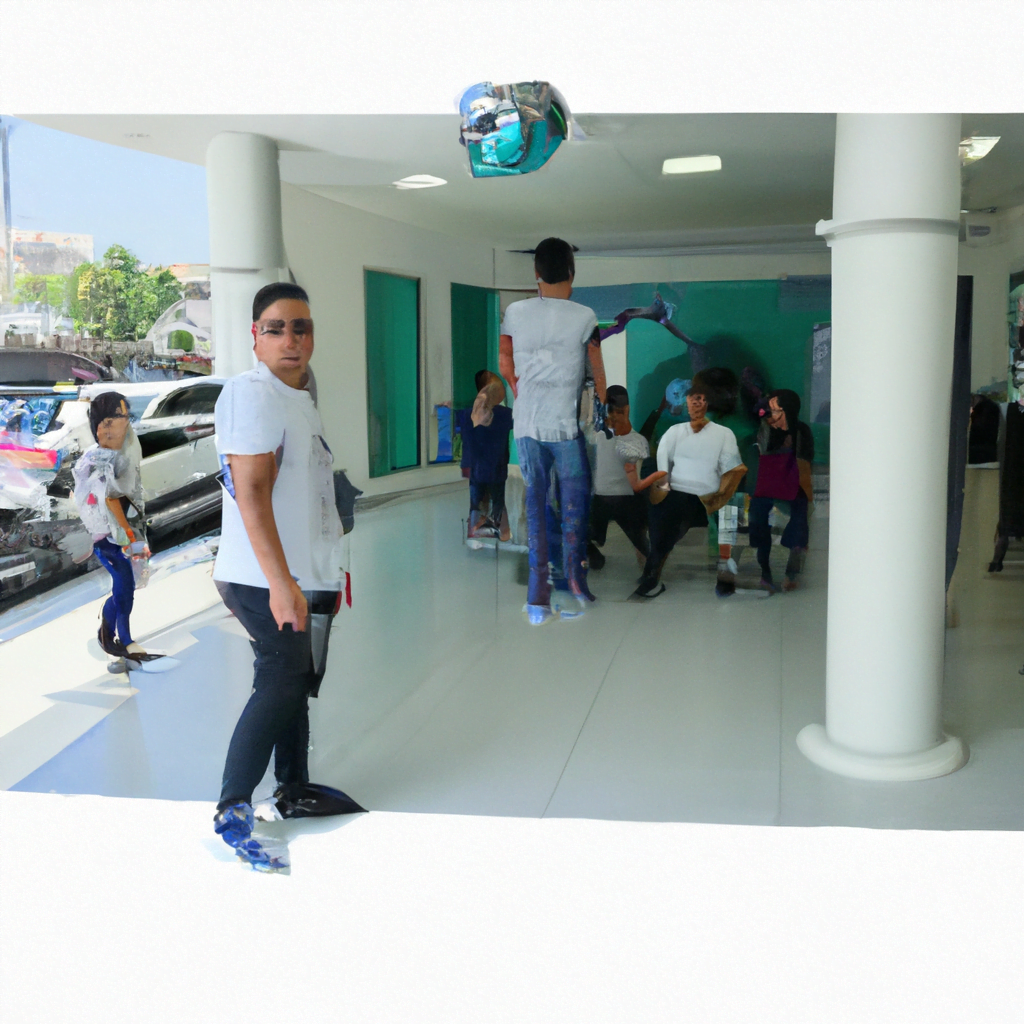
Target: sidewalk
[[54, 683]]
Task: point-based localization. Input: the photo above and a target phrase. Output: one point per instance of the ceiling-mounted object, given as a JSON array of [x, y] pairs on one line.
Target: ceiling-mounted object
[[976, 147], [513, 129]]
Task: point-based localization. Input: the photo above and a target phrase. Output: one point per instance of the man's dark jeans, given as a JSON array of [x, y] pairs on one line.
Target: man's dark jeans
[[276, 717]]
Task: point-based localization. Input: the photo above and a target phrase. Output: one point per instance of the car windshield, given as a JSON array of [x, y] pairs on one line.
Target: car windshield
[[29, 415]]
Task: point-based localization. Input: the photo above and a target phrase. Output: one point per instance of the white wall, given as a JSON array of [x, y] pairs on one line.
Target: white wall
[[991, 266], [329, 245]]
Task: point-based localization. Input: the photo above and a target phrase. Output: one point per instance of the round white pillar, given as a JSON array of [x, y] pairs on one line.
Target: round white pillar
[[894, 263], [243, 191]]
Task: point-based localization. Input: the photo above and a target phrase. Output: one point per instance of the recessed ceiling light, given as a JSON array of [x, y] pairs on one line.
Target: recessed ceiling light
[[691, 164], [419, 181], [136, 135], [976, 147]]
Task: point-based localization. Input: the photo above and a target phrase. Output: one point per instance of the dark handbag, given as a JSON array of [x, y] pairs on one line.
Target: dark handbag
[[778, 476]]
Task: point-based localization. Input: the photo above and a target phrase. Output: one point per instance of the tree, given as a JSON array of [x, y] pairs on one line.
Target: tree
[[50, 289], [118, 299]]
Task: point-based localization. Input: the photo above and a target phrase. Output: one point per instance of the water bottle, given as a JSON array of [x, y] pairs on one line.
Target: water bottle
[[140, 564]]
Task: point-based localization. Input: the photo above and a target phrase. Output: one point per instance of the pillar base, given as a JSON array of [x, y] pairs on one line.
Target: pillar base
[[948, 756]]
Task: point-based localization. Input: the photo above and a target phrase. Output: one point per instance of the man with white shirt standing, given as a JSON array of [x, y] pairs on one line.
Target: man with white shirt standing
[[544, 346], [278, 567], [704, 469]]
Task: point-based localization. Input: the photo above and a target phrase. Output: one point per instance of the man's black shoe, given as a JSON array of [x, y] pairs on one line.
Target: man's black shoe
[[312, 800], [648, 589], [595, 558]]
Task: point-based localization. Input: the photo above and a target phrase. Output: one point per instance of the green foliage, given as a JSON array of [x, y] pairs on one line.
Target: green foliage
[[181, 340], [117, 299], [49, 288]]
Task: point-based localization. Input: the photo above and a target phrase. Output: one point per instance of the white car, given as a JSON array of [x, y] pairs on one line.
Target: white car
[[174, 424]]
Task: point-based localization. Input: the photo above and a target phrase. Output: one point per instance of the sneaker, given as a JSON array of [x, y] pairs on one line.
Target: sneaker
[[572, 606], [263, 856], [768, 585], [312, 800], [789, 584], [538, 614], [649, 590], [137, 653], [725, 588], [234, 824]]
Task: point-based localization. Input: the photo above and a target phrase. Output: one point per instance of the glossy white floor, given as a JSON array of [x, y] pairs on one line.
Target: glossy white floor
[[440, 703]]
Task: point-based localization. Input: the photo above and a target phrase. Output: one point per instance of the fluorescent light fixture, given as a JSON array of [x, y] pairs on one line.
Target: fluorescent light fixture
[[419, 181], [691, 164], [976, 147]]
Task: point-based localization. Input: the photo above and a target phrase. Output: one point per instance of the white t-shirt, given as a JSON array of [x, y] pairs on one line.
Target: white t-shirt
[[257, 413], [610, 458], [696, 462], [549, 338]]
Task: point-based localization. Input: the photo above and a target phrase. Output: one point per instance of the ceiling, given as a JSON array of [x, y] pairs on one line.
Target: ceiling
[[604, 193]]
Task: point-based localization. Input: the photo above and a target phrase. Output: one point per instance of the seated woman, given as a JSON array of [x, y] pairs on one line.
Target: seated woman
[[783, 478]]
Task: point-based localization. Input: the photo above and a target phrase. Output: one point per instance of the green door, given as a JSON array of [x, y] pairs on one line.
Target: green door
[[474, 339], [392, 371]]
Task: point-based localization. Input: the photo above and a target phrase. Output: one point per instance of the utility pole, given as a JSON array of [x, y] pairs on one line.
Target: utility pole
[[7, 281]]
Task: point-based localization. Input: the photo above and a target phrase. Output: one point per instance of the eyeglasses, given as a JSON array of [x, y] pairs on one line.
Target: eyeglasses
[[301, 325]]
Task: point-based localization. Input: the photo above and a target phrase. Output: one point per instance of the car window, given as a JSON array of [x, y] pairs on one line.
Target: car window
[[192, 401]]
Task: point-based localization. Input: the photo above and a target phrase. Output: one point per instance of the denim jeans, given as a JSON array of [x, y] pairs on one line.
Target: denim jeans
[[568, 460], [276, 718], [118, 607]]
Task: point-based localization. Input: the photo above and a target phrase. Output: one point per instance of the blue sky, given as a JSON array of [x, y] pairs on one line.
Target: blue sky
[[153, 205]]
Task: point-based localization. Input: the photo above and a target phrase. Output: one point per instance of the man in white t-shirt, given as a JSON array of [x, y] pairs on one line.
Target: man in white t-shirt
[[544, 346], [279, 565], [618, 489], [704, 469]]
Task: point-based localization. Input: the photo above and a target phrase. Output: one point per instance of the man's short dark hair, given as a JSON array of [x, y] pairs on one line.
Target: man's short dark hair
[[617, 397], [553, 261], [103, 406], [481, 378], [271, 293]]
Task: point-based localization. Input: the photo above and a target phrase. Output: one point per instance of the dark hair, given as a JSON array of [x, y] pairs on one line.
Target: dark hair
[[271, 293], [617, 397], [789, 403], [553, 261], [719, 386], [480, 380], [104, 405]]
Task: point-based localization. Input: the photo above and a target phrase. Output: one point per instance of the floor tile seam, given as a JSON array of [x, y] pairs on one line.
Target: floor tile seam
[[467, 661], [611, 661]]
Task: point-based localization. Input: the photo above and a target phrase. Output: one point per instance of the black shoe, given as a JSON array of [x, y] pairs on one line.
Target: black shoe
[[595, 558], [107, 642], [312, 800], [647, 589]]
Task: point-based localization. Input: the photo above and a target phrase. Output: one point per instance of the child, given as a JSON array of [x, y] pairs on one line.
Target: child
[[485, 429], [105, 474]]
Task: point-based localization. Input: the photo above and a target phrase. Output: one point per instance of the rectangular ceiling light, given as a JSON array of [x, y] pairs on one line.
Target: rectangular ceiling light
[[691, 164], [976, 147]]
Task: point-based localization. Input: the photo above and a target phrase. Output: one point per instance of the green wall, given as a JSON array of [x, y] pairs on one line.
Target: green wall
[[739, 323], [474, 339], [392, 372]]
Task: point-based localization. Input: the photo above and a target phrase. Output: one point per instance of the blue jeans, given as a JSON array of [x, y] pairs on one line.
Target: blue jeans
[[276, 718], [569, 461], [118, 607]]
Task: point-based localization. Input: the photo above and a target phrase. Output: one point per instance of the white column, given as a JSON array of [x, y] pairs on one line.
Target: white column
[[894, 262], [243, 191]]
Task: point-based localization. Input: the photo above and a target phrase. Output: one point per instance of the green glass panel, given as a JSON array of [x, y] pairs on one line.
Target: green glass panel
[[392, 371]]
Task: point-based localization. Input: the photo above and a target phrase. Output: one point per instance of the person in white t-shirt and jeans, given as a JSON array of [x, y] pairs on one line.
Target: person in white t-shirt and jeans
[[278, 567], [545, 343], [704, 468]]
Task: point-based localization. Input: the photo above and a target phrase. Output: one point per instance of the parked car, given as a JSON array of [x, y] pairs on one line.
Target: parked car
[[44, 430]]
